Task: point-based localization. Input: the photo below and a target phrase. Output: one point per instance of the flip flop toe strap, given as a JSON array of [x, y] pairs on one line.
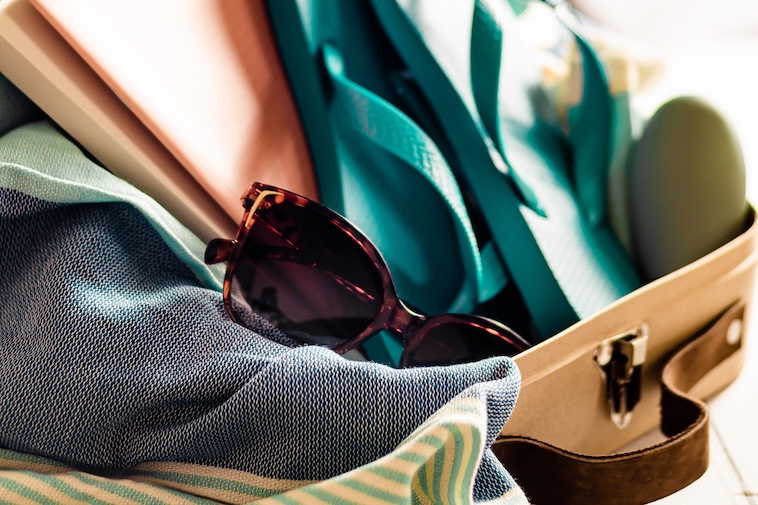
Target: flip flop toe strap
[[388, 128]]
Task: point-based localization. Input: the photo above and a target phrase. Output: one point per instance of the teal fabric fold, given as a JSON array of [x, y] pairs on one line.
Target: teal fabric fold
[[38, 160]]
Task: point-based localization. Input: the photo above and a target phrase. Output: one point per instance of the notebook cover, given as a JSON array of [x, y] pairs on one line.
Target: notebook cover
[[204, 77], [42, 65]]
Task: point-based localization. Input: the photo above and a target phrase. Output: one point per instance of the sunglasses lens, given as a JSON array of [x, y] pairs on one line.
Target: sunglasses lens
[[306, 275], [458, 342]]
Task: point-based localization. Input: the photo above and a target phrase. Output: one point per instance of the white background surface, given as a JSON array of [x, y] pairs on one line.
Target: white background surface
[[710, 50]]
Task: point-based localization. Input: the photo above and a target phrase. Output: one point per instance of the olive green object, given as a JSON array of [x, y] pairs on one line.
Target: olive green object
[[686, 186]]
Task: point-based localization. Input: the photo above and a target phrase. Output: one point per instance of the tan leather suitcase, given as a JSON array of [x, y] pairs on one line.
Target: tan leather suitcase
[[596, 386]]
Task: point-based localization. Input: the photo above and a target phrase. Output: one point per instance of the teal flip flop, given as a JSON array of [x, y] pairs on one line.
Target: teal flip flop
[[543, 195], [375, 164]]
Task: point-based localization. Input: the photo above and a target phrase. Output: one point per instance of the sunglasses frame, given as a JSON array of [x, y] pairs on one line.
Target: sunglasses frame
[[393, 314]]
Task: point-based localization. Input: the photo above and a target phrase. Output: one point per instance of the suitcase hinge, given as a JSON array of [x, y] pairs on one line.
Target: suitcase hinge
[[620, 360]]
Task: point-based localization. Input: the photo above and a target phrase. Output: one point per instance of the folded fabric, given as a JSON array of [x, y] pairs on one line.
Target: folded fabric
[[408, 475], [114, 354], [53, 169]]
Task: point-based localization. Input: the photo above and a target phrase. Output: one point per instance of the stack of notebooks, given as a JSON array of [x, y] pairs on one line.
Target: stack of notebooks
[[185, 99]]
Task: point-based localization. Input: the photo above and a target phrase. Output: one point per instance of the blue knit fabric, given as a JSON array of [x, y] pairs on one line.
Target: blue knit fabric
[[113, 353]]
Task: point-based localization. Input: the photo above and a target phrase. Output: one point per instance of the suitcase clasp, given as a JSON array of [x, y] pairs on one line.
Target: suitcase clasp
[[620, 360]]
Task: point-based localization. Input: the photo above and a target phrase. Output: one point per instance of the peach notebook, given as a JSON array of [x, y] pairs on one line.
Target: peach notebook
[[204, 77], [40, 63]]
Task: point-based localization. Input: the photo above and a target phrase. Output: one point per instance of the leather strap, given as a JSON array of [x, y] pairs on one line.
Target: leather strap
[[548, 474]]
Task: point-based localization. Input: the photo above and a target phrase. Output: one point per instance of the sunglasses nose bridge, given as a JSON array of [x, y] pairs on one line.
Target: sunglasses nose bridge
[[404, 321]]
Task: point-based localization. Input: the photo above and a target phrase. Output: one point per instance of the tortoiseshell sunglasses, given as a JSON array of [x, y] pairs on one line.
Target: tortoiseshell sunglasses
[[320, 280]]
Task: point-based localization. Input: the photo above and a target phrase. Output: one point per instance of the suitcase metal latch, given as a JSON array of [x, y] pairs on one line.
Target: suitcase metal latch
[[620, 360]]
